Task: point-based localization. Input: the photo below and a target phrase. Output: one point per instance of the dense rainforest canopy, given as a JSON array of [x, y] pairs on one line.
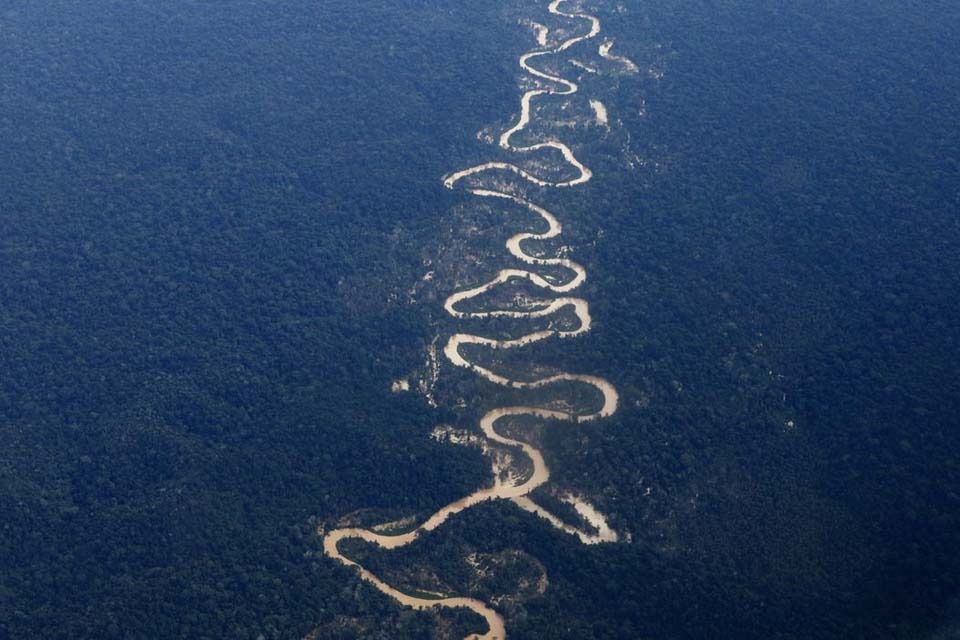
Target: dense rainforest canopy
[[215, 220]]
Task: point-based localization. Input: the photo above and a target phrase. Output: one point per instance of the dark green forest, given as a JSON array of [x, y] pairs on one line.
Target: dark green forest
[[213, 212]]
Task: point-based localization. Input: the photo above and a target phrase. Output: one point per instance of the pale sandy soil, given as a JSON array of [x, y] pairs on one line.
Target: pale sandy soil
[[628, 64], [599, 112]]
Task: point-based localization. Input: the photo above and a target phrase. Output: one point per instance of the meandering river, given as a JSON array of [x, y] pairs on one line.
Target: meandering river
[[518, 490]]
